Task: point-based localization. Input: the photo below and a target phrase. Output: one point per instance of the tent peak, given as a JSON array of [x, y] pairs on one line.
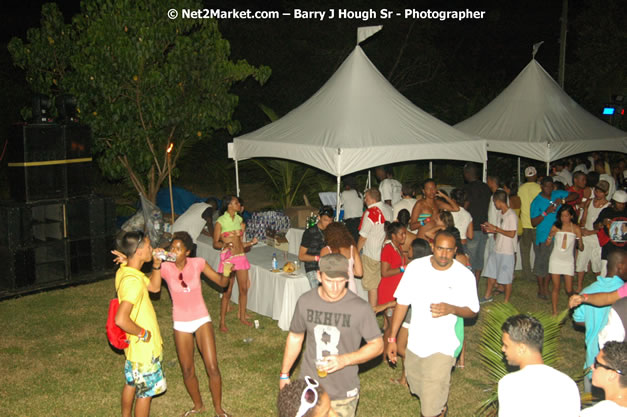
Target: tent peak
[[365, 32], [535, 48]]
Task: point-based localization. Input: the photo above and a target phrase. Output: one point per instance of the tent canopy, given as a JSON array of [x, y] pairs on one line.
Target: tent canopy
[[357, 120], [534, 118]]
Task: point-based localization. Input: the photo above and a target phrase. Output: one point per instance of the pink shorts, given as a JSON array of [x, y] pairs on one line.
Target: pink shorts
[[239, 261]]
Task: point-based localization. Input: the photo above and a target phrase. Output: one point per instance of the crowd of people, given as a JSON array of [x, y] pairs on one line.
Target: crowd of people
[[420, 260]]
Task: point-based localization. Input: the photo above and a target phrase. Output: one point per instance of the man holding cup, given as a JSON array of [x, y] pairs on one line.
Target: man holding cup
[[334, 320], [439, 290]]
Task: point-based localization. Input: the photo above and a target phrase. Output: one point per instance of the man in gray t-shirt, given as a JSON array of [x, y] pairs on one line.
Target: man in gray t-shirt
[[334, 321]]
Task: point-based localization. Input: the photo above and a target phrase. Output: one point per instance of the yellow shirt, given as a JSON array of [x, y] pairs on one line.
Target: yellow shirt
[[527, 192], [131, 285]]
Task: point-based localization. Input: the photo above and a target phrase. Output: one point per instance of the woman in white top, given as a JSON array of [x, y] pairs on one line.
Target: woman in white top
[[564, 235], [462, 218]]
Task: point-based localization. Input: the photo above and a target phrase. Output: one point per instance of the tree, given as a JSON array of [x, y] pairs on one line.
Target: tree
[[142, 81]]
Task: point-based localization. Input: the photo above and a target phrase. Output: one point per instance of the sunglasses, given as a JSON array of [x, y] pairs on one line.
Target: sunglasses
[[183, 283], [598, 364], [309, 398]]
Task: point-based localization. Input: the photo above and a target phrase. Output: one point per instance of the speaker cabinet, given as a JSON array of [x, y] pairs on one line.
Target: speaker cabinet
[[77, 142], [90, 255]]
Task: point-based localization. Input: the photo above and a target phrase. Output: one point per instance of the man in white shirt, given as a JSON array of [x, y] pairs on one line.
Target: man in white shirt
[[389, 188], [353, 205], [610, 374], [536, 389], [439, 290], [406, 202], [562, 174], [500, 266], [371, 237], [194, 220]]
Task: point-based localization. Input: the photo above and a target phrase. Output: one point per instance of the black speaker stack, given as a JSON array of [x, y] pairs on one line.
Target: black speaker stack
[[54, 231]]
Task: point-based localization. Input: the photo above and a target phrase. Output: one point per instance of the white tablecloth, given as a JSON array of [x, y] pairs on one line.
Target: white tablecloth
[[294, 237], [270, 294]]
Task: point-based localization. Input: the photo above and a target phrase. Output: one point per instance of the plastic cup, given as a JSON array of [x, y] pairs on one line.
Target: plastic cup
[[226, 269], [321, 366]]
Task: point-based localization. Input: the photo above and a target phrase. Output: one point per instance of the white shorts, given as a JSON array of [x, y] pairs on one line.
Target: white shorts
[[500, 266], [191, 326], [591, 253]]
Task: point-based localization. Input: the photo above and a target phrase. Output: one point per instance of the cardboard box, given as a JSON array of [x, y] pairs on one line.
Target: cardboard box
[[298, 215]]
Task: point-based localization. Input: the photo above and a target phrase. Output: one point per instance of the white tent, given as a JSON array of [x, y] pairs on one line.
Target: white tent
[[357, 120], [534, 118]]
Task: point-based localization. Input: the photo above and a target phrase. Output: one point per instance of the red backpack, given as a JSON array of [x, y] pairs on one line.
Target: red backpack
[[117, 336]]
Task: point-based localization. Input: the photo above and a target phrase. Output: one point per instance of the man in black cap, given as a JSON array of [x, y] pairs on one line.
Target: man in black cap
[[334, 321]]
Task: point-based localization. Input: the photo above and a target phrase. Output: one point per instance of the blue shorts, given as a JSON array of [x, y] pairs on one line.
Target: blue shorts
[[147, 378]]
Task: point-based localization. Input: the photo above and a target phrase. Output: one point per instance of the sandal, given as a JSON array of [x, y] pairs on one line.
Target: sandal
[[191, 412], [223, 415]]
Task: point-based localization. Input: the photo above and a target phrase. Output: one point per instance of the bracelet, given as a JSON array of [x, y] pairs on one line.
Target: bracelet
[[402, 269], [544, 214], [154, 268], [284, 376], [142, 334], [391, 340], [585, 297], [317, 258]]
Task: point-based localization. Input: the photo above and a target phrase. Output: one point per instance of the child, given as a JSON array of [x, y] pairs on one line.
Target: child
[[501, 262]]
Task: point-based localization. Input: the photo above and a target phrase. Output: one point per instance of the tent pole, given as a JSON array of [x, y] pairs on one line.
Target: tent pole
[[485, 171], [519, 170], [337, 201], [430, 169], [368, 185], [236, 178], [548, 169]]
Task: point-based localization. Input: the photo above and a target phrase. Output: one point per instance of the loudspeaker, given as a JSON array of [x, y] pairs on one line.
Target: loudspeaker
[[77, 140], [90, 255], [19, 269], [90, 216], [35, 156], [15, 225]]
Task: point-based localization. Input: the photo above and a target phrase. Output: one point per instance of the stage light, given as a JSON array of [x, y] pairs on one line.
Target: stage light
[[608, 111]]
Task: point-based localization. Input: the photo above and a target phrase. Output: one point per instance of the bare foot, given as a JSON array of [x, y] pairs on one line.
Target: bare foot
[[246, 316], [401, 381], [246, 322], [229, 307], [223, 328]]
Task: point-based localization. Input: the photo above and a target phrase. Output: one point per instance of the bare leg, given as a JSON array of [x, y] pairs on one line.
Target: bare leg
[[580, 276], [224, 304], [508, 293], [461, 362], [401, 347], [568, 285], [142, 407], [373, 297], [555, 292], [490, 286], [242, 284], [205, 339], [128, 396], [185, 350], [478, 276]]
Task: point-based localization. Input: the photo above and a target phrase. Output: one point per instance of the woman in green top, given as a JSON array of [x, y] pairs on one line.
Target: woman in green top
[[228, 236]]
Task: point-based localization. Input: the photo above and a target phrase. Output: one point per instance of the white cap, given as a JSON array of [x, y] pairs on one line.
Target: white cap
[[530, 172], [620, 196]]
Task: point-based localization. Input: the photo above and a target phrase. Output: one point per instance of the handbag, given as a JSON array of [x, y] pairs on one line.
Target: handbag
[[116, 336]]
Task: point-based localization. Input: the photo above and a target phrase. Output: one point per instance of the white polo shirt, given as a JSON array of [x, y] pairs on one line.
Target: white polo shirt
[[423, 285], [374, 232]]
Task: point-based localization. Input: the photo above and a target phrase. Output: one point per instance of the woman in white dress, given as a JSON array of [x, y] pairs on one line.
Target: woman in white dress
[[564, 235]]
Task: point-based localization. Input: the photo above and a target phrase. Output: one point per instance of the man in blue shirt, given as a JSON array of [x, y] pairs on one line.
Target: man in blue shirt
[[595, 318], [543, 214]]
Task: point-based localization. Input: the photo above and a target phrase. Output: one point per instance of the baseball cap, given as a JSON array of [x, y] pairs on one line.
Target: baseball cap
[[334, 265], [603, 186], [530, 172], [620, 196], [326, 211]]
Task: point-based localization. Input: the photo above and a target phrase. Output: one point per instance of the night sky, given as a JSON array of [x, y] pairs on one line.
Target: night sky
[[459, 65]]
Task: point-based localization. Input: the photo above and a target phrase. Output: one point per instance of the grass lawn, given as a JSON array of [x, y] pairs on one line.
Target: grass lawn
[[55, 360]]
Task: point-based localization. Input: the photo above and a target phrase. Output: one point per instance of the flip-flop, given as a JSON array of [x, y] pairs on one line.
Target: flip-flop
[[191, 412], [398, 382]]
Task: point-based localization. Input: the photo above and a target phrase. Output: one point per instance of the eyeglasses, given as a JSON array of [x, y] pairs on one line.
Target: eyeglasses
[[599, 364], [309, 398], [183, 283]]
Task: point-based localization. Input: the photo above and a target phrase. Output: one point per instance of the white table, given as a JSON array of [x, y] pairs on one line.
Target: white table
[[270, 294]]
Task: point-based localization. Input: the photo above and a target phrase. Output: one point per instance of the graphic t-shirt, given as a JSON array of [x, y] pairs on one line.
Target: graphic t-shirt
[[538, 206], [333, 329], [617, 230]]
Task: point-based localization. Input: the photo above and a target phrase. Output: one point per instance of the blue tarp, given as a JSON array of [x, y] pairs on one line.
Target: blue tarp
[[182, 199]]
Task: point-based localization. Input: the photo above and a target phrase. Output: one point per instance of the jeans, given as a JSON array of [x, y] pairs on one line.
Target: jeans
[[526, 243], [312, 276]]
